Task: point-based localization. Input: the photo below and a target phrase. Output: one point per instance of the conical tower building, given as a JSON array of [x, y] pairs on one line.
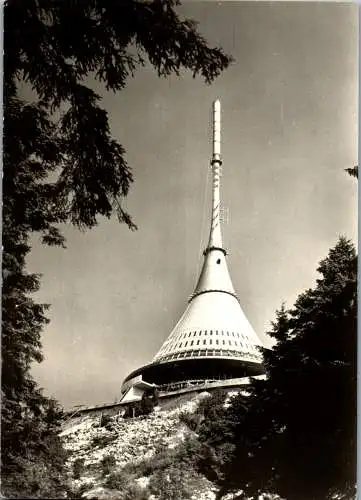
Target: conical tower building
[[213, 340]]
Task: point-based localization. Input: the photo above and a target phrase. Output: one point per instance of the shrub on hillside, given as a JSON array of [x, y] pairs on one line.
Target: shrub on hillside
[[153, 395], [214, 425], [165, 458], [210, 409], [116, 480], [32, 454], [78, 467], [77, 493], [191, 420], [102, 440], [177, 482], [146, 405], [213, 404], [36, 477], [126, 486], [160, 460], [107, 464], [105, 420]]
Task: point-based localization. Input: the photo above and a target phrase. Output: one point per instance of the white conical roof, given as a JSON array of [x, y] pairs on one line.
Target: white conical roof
[[213, 321], [213, 324], [214, 274]]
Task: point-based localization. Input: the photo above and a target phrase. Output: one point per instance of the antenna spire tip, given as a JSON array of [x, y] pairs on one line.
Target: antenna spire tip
[[217, 104]]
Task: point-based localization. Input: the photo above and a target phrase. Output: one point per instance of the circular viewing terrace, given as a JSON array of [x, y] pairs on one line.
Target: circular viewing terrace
[[199, 365]]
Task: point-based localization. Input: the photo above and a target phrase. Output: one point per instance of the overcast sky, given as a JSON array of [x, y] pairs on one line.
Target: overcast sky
[[289, 111]]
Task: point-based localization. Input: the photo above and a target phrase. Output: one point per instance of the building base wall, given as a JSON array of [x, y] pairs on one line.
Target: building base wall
[[165, 398]]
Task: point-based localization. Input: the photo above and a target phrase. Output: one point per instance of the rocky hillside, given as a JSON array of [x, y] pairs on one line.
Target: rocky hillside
[[136, 458]]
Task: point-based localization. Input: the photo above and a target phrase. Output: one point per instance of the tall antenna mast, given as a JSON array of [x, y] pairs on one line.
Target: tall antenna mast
[[213, 338], [215, 235]]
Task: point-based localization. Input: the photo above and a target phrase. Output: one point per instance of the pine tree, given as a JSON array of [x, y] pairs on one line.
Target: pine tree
[[31, 453], [61, 165], [54, 46], [297, 437]]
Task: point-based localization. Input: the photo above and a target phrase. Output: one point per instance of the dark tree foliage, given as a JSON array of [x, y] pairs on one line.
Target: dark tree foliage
[[62, 165], [146, 404], [297, 435], [29, 421], [352, 171], [54, 46], [153, 395], [214, 421]]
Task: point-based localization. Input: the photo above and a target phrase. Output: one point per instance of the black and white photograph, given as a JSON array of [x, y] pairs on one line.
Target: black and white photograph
[[179, 250]]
